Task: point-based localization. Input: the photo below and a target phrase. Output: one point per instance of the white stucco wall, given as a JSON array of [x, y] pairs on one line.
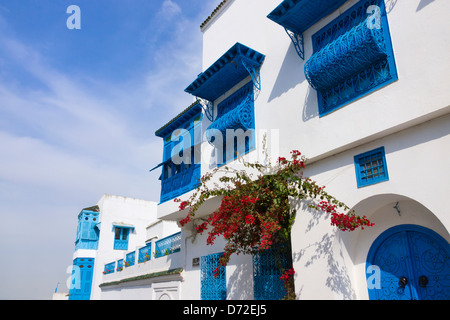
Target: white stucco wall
[[114, 209]]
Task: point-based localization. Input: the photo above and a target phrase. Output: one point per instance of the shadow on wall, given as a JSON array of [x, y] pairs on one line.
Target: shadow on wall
[[240, 284], [422, 4], [291, 74], [337, 277]]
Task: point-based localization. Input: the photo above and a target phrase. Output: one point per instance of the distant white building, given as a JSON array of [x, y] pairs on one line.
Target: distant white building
[[106, 235], [361, 88]]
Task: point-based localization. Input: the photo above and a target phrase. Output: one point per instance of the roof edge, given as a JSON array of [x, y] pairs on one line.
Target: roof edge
[[215, 12]]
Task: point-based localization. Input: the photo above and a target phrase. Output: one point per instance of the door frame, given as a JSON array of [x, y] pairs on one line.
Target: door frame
[[394, 230]]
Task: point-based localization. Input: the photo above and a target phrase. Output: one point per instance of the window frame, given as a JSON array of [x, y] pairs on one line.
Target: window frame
[[372, 153]]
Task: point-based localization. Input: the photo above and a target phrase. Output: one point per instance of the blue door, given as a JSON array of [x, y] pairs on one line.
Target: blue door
[[412, 264], [82, 273]]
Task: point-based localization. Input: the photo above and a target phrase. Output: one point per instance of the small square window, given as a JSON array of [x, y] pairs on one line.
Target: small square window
[[371, 167]]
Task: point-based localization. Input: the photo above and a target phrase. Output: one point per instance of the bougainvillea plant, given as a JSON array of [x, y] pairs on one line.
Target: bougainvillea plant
[[255, 212]]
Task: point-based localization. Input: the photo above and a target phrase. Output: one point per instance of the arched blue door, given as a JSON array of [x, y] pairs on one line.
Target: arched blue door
[[409, 262]]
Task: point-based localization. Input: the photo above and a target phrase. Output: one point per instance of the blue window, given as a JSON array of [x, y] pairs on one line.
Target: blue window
[[267, 266], [232, 133], [352, 57], [121, 238], [371, 167], [87, 230], [212, 288], [182, 153]]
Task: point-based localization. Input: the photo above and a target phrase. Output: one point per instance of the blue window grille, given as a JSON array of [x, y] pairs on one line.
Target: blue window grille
[[81, 280], [87, 230], [212, 288], [168, 245], [121, 238], [110, 268], [145, 253], [235, 123], [119, 265], [353, 56], [267, 266], [177, 179], [371, 167], [130, 259]]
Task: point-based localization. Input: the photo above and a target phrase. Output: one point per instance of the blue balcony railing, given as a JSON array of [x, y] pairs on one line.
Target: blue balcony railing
[[130, 259], [180, 183], [109, 268], [168, 245], [145, 253]]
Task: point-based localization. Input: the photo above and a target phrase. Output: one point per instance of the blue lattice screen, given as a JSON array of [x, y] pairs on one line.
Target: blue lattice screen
[[212, 288], [353, 56], [267, 284], [168, 245]]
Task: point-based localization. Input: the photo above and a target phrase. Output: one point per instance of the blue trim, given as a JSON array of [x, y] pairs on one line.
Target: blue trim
[[299, 15], [180, 120], [371, 167], [392, 231], [231, 68]]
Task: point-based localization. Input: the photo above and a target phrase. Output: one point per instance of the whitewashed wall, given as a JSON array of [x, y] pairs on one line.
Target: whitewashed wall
[[409, 117], [136, 212]]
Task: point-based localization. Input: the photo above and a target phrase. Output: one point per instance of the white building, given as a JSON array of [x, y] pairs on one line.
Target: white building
[[107, 235], [361, 88]]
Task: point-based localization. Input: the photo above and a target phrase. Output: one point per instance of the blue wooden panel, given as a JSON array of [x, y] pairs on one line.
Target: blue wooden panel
[[81, 282], [430, 257], [299, 15], [416, 253], [212, 288]]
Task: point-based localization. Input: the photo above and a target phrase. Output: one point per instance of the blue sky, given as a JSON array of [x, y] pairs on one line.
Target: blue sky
[[78, 112]]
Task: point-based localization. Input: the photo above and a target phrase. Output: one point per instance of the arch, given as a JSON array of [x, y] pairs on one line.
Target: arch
[[407, 259], [379, 208]]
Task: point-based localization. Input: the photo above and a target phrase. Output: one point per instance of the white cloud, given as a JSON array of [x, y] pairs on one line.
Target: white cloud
[[170, 9]]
